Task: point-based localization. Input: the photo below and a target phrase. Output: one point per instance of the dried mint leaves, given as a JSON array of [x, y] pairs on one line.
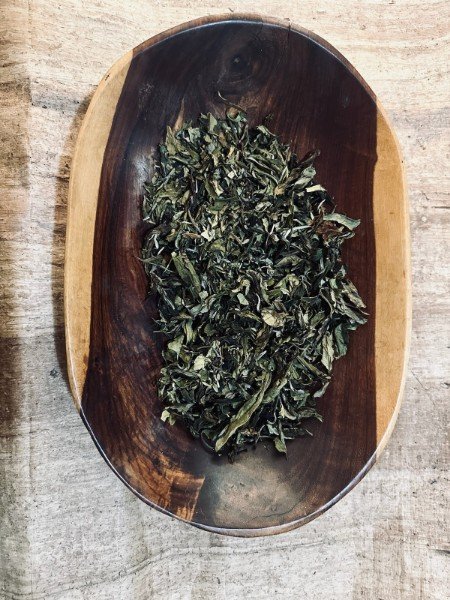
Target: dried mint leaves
[[244, 252]]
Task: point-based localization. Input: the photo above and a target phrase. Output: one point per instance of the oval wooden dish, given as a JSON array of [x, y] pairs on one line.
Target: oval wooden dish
[[318, 100]]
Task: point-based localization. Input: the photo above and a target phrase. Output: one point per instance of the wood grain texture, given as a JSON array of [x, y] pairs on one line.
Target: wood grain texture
[[317, 101], [386, 539], [84, 185], [393, 284]]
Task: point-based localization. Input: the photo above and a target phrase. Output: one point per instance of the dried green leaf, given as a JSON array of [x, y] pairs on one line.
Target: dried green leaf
[[342, 220], [272, 318], [167, 416], [199, 362], [280, 445], [176, 344], [242, 299]]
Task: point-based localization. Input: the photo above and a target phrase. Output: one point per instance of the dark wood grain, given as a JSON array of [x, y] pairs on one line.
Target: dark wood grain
[[317, 101]]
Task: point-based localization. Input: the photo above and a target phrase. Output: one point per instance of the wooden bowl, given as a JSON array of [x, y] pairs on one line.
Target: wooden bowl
[[318, 100]]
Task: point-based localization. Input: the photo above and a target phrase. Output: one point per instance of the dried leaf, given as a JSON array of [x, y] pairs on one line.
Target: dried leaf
[[342, 220]]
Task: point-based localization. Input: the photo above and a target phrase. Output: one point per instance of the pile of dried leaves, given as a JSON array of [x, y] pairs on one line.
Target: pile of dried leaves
[[244, 250]]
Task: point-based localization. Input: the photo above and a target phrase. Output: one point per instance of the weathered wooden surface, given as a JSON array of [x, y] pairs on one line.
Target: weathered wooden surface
[[68, 528]]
